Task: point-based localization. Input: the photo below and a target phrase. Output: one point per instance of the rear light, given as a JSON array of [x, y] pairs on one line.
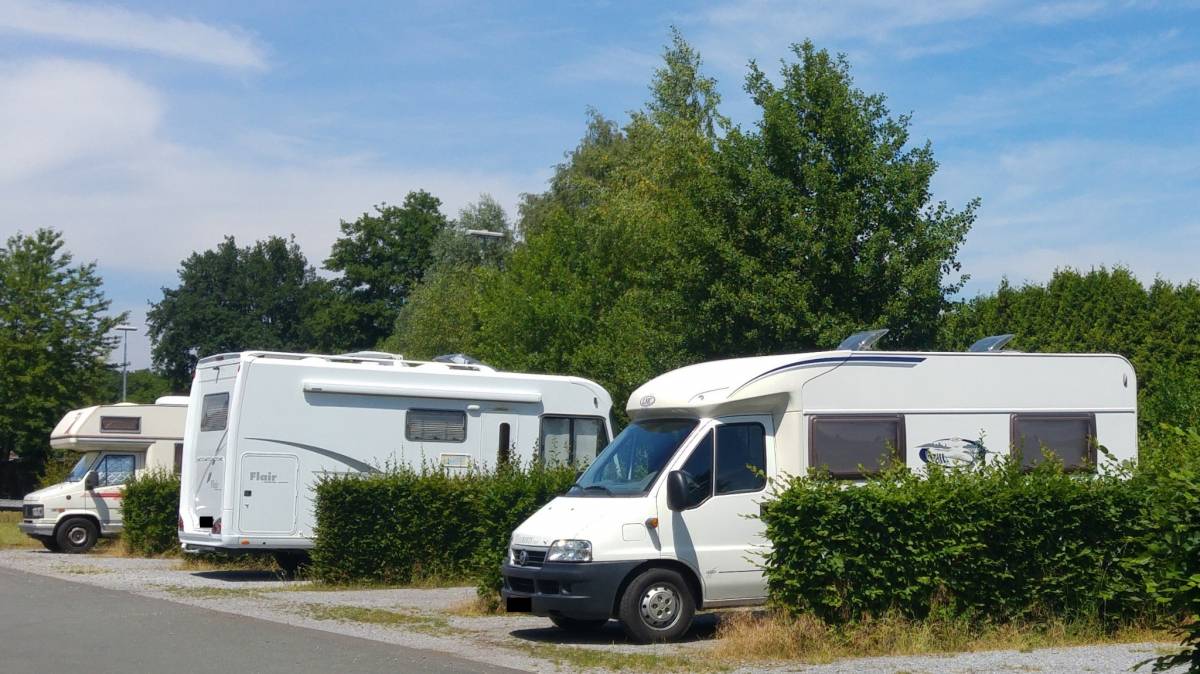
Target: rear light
[[216, 527], [180, 523]]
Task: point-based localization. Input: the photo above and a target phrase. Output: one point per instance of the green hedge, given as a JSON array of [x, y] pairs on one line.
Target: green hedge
[[404, 525], [151, 513], [995, 543]]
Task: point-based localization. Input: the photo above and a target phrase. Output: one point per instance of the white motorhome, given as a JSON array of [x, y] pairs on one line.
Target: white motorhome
[[663, 522], [116, 442], [264, 427]]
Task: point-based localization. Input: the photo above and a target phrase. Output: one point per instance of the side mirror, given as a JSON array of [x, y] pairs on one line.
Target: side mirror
[[677, 491], [91, 480]]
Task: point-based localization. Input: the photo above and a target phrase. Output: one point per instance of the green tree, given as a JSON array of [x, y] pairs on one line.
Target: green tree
[[143, 386], [462, 245], [381, 257], [231, 299], [55, 333]]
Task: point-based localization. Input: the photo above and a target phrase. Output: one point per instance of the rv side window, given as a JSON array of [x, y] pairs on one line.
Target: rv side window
[[215, 412], [1070, 437], [741, 458], [116, 469], [855, 446], [435, 426], [572, 439], [178, 458], [120, 424], [699, 471]]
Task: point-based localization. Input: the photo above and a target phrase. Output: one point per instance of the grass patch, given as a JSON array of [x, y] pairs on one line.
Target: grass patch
[[759, 636], [205, 592], [83, 570], [214, 562], [580, 658], [416, 622], [10, 536]]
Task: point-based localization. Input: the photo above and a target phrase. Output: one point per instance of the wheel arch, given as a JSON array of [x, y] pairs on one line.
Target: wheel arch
[[689, 576], [66, 517]]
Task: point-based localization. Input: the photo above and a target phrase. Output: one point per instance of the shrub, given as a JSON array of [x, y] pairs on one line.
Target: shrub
[[151, 513], [995, 543], [406, 525]]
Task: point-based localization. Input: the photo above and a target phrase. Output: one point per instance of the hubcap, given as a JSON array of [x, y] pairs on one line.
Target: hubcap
[[77, 535], [660, 606]]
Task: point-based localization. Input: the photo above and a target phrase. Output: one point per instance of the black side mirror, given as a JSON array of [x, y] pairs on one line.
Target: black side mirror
[[677, 491], [91, 480]]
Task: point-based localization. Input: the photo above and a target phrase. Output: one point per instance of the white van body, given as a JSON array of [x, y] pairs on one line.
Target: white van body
[[264, 427], [579, 558], [116, 442]]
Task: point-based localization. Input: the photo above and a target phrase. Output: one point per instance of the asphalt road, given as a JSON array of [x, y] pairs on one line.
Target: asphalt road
[[51, 625]]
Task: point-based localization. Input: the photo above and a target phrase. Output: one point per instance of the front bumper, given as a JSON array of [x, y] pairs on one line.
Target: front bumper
[[584, 590], [37, 529]]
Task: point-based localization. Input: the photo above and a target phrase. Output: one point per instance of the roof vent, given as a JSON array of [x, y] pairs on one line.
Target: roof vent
[[990, 344], [457, 359], [862, 341], [377, 355]]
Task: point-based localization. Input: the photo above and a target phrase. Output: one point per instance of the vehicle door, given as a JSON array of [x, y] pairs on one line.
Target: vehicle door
[[719, 534], [113, 471]]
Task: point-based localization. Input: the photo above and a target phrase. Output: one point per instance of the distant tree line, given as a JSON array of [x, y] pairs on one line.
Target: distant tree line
[[675, 237]]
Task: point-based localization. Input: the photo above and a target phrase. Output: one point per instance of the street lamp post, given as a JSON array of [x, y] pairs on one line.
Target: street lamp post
[[484, 235], [125, 330]]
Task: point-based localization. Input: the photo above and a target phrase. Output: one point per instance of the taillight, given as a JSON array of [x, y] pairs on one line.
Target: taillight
[[181, 523], [216, 527]]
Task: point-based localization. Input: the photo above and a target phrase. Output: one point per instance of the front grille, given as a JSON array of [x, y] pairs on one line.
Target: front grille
[[520, 584], [547, 587], [32, 511], [529, 556]]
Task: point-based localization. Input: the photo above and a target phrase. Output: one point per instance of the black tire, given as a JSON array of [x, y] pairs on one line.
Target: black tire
[[49, 543], [77, 535], [656, 606], [578, 625], [291, 564]]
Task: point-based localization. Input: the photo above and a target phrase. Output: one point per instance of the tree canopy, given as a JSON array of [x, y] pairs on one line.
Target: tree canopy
[[55, 333], [233, 298]]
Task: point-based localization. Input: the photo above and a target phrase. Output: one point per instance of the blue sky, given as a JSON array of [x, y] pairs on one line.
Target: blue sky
[[146, 131]]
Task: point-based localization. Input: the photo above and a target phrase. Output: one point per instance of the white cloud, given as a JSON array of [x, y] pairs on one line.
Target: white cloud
[[111, 26], [59, 112]]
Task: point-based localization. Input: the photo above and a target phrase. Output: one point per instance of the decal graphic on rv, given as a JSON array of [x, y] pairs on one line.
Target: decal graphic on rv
[[952, 452]]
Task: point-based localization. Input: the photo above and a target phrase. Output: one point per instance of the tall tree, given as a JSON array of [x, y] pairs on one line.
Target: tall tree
[[381, 257], [55, 333], [230, 299]]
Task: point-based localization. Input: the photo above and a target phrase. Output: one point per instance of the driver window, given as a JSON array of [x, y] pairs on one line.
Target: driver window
[[699, 471], [115, 469]]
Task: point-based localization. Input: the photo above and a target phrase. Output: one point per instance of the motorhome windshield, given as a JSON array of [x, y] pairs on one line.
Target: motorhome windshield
[[81, 466], [630, 464]]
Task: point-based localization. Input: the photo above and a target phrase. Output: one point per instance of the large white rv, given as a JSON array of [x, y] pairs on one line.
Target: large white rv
[[264, 427], [662, 522], [116, 442]]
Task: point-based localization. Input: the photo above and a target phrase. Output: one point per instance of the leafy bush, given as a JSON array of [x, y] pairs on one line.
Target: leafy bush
[[406, 525], [151, 513]]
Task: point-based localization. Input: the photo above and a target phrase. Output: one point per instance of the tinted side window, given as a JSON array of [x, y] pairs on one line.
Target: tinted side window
[[435, 426], [214, 413], [556, 440], [576, 440], [741, 458], [699, 471], [855, 446], [1069, 437], [116, 469]]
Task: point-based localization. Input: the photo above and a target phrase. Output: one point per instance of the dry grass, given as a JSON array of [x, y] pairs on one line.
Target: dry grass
[[207, 562], [417, 622], [762, 636], [10, 536]]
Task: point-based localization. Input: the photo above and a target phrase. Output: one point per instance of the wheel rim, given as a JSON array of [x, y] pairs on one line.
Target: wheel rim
[[77, 535], [660, 606]]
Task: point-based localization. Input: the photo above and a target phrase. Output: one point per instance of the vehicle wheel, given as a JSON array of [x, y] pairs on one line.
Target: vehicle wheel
[[49, 543], [291, 563], [656, 606], [578, 625], [77, 535]]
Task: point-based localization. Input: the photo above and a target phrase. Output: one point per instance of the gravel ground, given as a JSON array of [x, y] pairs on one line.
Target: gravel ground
[[436, 619]]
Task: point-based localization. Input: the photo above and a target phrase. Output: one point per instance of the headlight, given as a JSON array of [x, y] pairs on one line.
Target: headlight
[[570, 550], [34, 512]]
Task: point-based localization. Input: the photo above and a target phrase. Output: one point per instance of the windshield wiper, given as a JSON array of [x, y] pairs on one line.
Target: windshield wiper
[[598, 487]]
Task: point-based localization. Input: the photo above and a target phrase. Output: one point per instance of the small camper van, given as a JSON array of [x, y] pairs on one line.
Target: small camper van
[[662, 522], [115, 442], [264, 427]]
